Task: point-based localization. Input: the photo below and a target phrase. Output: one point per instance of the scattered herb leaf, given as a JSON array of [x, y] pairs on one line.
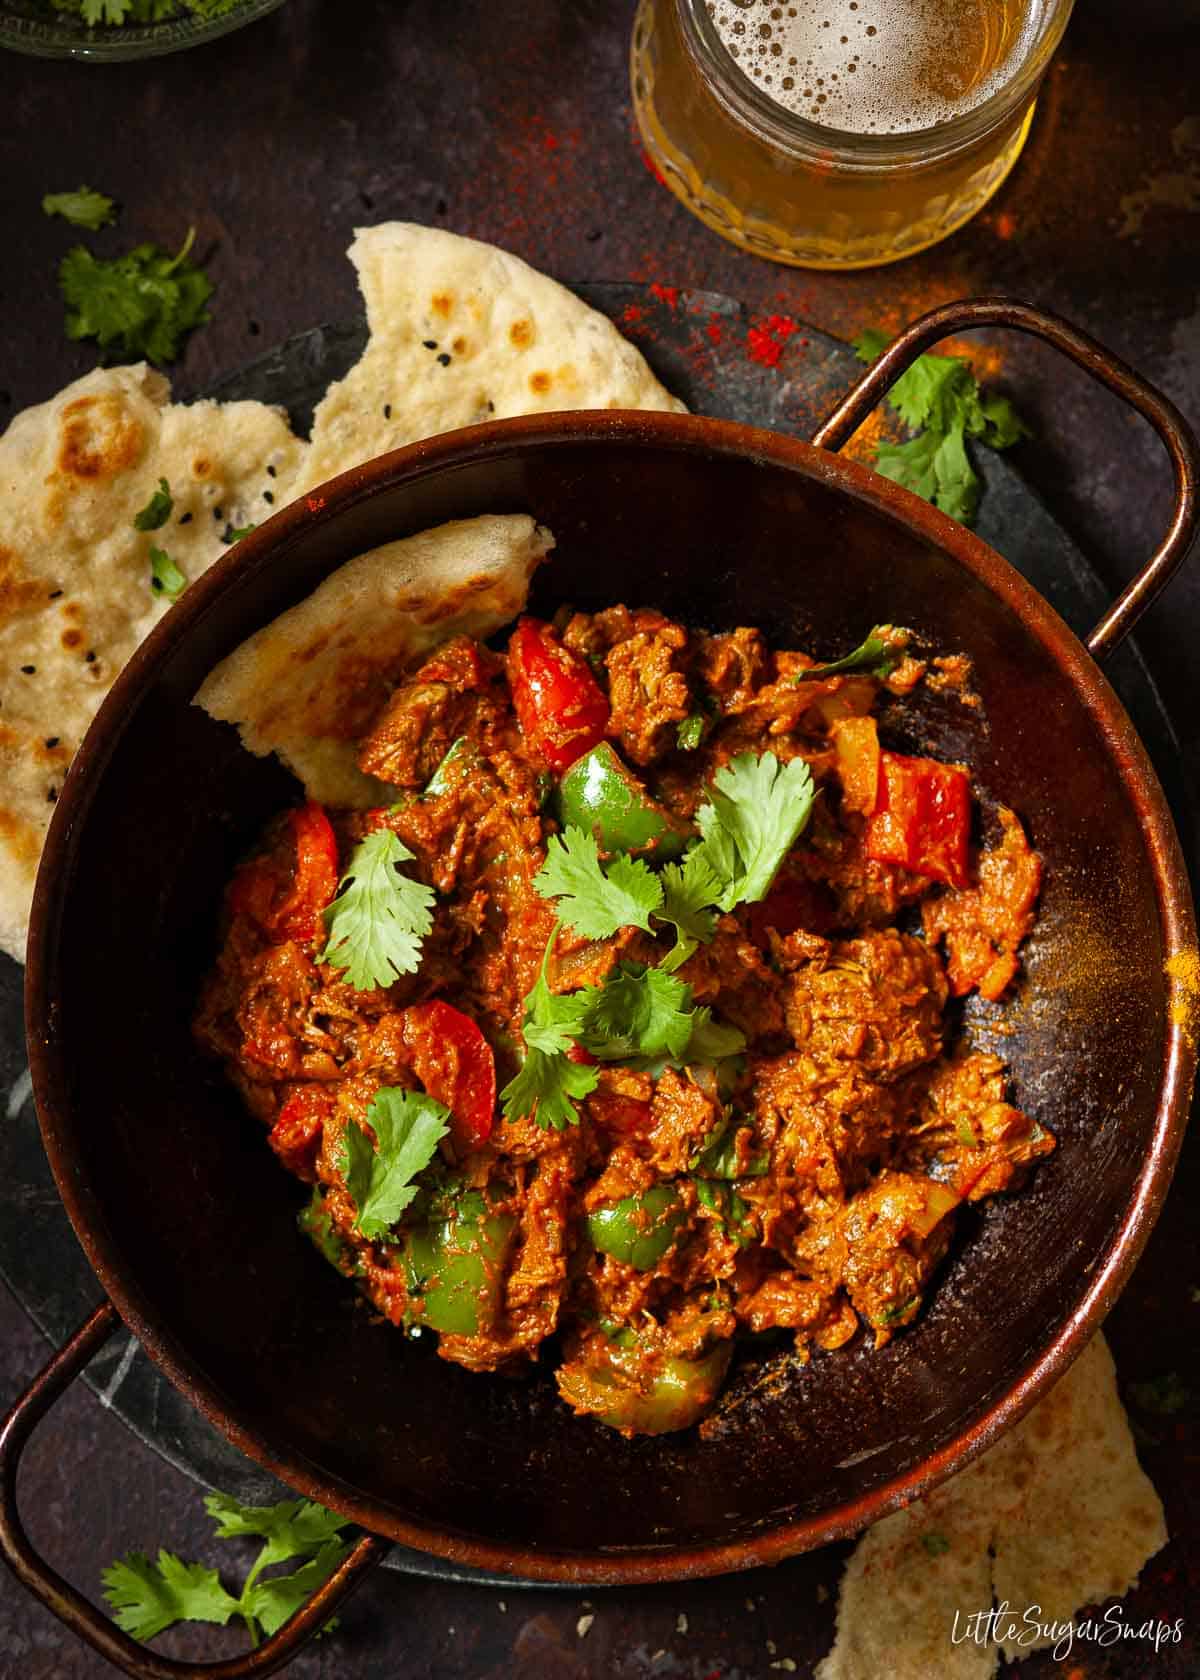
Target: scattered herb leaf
[[156, 511], [379, 1178], [691, 731], [874, 657], [757, 810], [165, 577], [377, 922], [941, 395], [935, 1544], [82, 208], [594, 898], [141, 304], [149, 1597]]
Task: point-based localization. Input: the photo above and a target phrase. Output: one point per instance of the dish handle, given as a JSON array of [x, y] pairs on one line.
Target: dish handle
[[82, 1617], [1173, 430]]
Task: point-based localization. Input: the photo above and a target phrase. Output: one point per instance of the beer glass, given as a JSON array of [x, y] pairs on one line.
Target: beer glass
[[748, 121]]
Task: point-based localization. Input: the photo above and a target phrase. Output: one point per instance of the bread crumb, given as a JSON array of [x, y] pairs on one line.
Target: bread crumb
[[583, 1625], [681, 1623]]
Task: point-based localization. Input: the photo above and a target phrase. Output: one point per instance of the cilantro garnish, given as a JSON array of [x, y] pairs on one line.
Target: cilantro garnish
[[156, 511], [691, 731], [165, 577], [141, 304], [235, 533], [941, 395], [548, 1085], [641, 1016], [873, 657], [596, 899], [691, 889], [757, 810], [150, 1597], [377, 922], [407, 1127], [82, 208], [935, 1544], [638, 1012]]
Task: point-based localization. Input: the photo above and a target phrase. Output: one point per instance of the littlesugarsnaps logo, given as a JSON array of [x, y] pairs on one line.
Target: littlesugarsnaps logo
[[1002, 1625]]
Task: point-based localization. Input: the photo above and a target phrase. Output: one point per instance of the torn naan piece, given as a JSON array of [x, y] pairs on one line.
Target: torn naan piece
[[76, 596], [1057, 1515], [308, 686], [462, 332]]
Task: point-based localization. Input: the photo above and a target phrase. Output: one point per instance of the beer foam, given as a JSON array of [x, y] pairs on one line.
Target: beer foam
[[877, 66]]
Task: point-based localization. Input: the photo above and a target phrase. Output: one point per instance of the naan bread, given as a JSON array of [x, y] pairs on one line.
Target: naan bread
[[309, 685], [75, 595], [74, 574], [1057, 1515], [462, 332]]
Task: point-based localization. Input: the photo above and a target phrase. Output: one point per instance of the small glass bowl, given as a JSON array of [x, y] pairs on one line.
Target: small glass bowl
[[26, 27]]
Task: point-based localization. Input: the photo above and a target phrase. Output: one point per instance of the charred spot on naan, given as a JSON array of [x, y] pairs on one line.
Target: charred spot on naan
[[19, 592], [98, 438], [521, 334]]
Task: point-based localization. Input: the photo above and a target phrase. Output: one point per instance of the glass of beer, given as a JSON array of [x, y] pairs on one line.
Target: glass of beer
[[838, 133]]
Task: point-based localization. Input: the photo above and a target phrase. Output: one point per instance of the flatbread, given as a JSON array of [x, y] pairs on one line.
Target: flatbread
[[75, 595], [1058, 1515], [75, 470], [462, 332], [309, 685]]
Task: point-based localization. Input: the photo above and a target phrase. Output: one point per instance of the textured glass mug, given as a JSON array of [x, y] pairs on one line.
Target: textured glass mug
[[803, 193]]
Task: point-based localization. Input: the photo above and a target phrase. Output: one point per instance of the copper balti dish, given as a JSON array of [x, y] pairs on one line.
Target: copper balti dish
[[189, 1224]]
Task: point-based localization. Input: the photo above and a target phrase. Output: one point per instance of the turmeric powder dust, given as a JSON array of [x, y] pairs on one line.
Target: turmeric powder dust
[[1183, 970]]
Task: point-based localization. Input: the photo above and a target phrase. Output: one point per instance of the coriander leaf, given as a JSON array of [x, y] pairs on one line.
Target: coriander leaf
[[235, 533], [148, 1597], [293, 1528], [870, 344], [691, 731], [377, 922], [165, 577], [690, 890], [935, 1544], [594, 898], [757, 810], [156, 511], [941, 394], [104, 11], [639, 1012], [874, 657], [272, 1602], [407, 1127], [82, 208], [712, 1041], [141, 304], [548, 1087]]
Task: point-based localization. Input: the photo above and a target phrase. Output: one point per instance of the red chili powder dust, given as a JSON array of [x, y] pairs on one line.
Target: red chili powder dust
[[765, 341], [666, 294], [714, 329]]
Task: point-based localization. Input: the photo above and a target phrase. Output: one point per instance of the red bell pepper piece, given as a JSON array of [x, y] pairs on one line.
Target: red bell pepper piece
[[454, 1062], [562, 710], [922, 817], [256, 887], [296, 1135]]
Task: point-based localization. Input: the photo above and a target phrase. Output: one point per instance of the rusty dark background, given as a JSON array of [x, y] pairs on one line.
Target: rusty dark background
[[511, 122]]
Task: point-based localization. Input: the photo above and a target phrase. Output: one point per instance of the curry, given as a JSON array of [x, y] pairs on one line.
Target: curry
[[622, 1034]]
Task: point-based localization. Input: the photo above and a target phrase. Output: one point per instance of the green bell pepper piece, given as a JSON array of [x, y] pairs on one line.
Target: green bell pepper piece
[[316, 1224], [599, 795], [639, 1229], [454, 1265], [640, 1392]]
